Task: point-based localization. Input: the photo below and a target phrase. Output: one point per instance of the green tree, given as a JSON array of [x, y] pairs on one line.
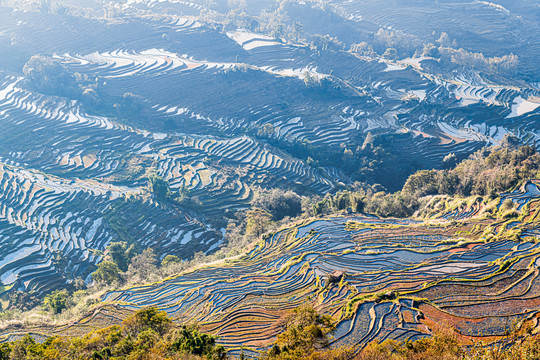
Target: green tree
[[121, 253], [170, 259], [319, 208], [191, 341], [159, 187], [422, 183], [278, 203], [56, 301], [257, 221], [305, 332], [19, 348], [147, 319], [5, 351], [107, 273]]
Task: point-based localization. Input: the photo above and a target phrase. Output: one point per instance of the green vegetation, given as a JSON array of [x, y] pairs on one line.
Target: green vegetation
[[162, 191], [160, 188], [121, 254], [332, 99], [305, 335], [191, 341], [364, 158], [278, 203], [56, 301], [446, 345], [123, 264], [258, 221], [147, 334], [170, 259], [23, 300], [49, 76], [107, 273], [150, 334], [486, 172]]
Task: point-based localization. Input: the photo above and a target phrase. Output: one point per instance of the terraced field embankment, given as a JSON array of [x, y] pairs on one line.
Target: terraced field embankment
[[378, 279], [164, 90]]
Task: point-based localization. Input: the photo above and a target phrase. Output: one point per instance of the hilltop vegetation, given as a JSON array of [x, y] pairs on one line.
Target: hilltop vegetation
[[487, 173]]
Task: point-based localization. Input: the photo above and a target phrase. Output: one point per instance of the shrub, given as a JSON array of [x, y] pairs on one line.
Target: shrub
[[278, 203], [305, 332], [56, 301], [190, 340], [170, 259], [159, 187], [121, 253], [147, 319], [107, 273]]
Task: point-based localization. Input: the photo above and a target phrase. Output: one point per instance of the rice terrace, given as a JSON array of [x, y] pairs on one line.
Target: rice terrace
[[270, 179]]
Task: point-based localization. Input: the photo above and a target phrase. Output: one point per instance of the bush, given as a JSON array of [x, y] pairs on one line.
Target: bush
[[191, 341], [278, 203], [159, 187], [147, 319], [147, 334], [305, 332], [56, 301], [107, 273], [170, 259]]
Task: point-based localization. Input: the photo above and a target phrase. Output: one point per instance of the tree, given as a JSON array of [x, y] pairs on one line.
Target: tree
[[390, 53], [305, 332], [144, 264], [121, 253], [267, 131], [56, 301], [278, 203], [191, 341], [421, 183], [257, 221], [430, 50], [170, 259], [363, 48], [5, 351], [510, 141], [444, 40], [19, 348], [128, 106], [327, 42], [159, 187], [107, 273], [147, 319], [369, 142], [319, 208], [23, 300], [49, 76], [450, 161]]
